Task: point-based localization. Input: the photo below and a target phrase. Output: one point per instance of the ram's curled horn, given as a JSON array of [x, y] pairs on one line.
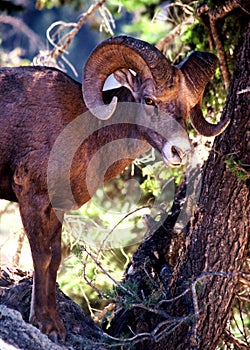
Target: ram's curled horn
[[118, 53], [198, 68], [202, 126]]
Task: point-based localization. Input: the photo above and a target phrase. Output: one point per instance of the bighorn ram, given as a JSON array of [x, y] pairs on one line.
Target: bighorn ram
[[38, 103]]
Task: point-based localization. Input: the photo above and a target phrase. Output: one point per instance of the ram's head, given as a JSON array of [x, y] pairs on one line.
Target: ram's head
[[167, 93]]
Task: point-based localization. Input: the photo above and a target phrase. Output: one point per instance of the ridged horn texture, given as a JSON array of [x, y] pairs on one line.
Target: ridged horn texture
[[198, 68], [117, 53], [202, 126]]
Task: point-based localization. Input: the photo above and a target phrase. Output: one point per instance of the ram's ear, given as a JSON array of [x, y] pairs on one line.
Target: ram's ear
[[129, 80]]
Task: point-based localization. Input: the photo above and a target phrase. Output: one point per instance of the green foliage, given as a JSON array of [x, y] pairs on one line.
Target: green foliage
[[140, 29], [236, 167], [126, 296], [144, 23], [157, 176], [82, 280], [240, 322], [195, 37]]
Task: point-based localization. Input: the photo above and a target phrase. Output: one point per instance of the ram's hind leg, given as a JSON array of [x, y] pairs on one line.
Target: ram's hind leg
[[43, 229]]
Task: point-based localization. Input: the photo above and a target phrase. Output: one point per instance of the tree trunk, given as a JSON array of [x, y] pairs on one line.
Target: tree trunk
[[208, 271], [217, 241]]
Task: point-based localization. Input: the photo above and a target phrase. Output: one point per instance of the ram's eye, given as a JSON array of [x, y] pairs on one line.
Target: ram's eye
[[149, 101]]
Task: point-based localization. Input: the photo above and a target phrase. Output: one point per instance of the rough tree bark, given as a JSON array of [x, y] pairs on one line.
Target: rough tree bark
[[208, 270]]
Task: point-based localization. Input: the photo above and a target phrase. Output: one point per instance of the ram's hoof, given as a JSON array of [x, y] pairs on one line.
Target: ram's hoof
[[52, 326]]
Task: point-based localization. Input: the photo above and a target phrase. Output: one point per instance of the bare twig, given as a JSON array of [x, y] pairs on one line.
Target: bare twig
[[87, 301], [17, 254], [61, 42], [151, 309], [244, 91], [240, 297], [228, 337], [224, 9], [8, 208], [214, 15], [161, 330], [107, 20], [67, 39], [178, 23], [220, 51], [102, 314], [126, 290], [163, 44], [120, 221]]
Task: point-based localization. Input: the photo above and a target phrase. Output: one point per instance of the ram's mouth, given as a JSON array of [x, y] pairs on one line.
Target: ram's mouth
[[172, 164], [172, 156], [174, 152]]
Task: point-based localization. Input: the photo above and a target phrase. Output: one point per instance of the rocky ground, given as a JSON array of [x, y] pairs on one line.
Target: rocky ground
[[17, 333]]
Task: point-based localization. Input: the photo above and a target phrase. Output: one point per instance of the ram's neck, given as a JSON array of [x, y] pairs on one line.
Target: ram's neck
[[105, 153]]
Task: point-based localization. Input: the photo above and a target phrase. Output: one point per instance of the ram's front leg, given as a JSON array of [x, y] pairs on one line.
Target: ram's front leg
[[43, 229], [52, 272]]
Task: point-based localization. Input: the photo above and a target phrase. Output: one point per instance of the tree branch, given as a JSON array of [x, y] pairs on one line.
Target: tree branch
[[163, 44], [215, 14], [230, 338], [60, 47]]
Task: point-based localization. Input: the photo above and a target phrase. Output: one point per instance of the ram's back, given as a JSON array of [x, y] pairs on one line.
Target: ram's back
[[36, 103]]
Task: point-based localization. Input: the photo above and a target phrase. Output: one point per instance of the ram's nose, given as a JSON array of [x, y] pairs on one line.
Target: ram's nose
[[175, 156], [178, 156]]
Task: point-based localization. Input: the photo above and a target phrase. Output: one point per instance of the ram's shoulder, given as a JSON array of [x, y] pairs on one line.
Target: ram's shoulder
[[34, 74]]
